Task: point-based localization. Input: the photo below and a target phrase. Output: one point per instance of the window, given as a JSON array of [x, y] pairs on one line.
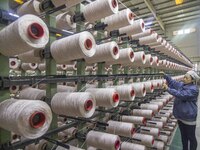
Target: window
[[184, 31]]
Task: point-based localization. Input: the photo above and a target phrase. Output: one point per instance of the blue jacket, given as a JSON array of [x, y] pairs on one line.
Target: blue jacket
[[186, 96]]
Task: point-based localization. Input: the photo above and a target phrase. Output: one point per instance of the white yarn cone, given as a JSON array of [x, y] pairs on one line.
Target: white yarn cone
[[105, 97], [155, 124], [153, 107], [135, 28], [104, 52], [140, 58], [14, 64], [74, 104], [143, 113], [100, 9], [121, 19], [142, 34], [64, 21], [139, 89], [134, 119], [148, 86], [103, 140], [126, 57], [148, 39], [68, 3], [159, 145], [120, 128], [132, 146], [126, 92], [26, 33], [29, 66], [32, 94], [144, 139], [29, 7], [28, 118], [79, 46], [14, 89], [150, 131], [64, 88], [31, 57]]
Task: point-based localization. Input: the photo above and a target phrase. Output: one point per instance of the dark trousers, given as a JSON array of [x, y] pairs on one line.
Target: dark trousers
[[188, 136]]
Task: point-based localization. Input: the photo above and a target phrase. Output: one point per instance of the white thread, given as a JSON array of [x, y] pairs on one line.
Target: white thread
[[164, 100], [27, 33], [144, 139], [161, 119], [104, 52], [73, 104], [155, 61], [135, 28], [42, 67], [121, 19], [29, 7], [64, 88], [159, 42], [91, 148], [32, 94], [68, 3], [150, 131], [132, 146], [105, 97], [140, 58], [153, 107], [148, 39], [103, 140], [71, 67], [70, 148], [20, 117], [14, 89], [143, 113], [90, 68], [159, 145], [160, 104], [32, 56], [163, 138], [134, 119], [61, 67], [169, 128], [139, 89], [126, 57], [156, 124], [120, 128], [29, 66], [143, 34], [64, 21], [126, 92], [14, 64], [149, 60], [100, 9], [77, 46], [148, 86], [165, 132]]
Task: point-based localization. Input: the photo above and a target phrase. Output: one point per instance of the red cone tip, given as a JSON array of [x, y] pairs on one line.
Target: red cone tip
[[37, 120], [88, 105], [88, 44], [35, 31]]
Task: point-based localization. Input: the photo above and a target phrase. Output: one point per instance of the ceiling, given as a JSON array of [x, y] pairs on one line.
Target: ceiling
[[157, 14]]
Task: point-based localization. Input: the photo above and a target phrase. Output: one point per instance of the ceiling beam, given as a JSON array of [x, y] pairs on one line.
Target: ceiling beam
[[153, 11]]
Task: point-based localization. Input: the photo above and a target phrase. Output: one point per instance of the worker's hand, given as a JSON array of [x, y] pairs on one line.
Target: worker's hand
[[162, 73], [165, 86]]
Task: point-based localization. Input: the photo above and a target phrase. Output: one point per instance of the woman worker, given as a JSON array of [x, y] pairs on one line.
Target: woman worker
[[185, 106]]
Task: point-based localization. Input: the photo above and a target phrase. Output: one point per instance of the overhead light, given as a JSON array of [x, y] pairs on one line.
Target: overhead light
[[178, 2]]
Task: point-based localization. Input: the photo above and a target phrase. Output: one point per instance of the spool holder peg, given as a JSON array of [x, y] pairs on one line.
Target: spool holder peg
[[46, 5], [78, 17]]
